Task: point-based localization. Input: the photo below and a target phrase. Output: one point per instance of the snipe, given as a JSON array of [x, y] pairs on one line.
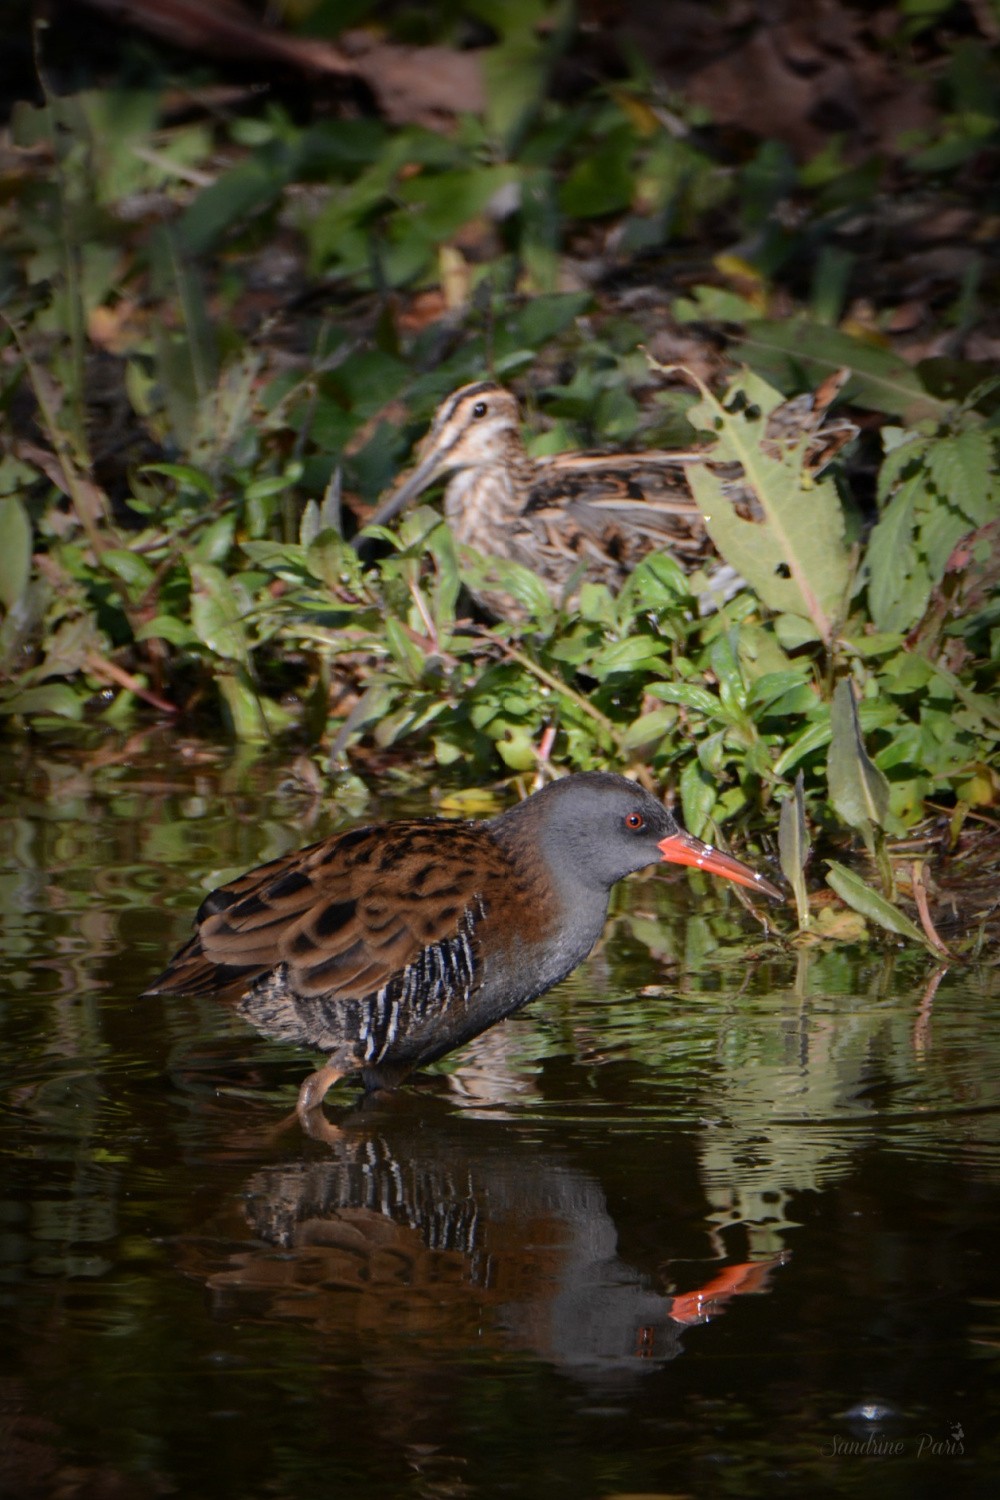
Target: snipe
[[575, 516]]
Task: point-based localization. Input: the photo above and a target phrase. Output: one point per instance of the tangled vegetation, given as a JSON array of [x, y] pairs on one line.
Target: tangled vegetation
[[189, 446]]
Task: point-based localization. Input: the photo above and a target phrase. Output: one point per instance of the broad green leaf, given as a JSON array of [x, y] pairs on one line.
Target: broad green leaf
[[858, 894], [794, 557], [69, 645], [858, 789], [332, 561], [715, 303], [905, 673], [15, 550], [287, 559], [905, 452]]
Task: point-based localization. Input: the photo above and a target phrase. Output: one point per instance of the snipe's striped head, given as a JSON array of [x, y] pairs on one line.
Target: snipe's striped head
[[471, 429]]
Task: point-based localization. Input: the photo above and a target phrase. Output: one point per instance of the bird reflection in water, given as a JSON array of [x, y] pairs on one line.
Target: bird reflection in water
[[460, 1237]]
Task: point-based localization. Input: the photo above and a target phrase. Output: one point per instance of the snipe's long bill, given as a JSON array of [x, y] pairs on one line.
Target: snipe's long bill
[[389, 945]]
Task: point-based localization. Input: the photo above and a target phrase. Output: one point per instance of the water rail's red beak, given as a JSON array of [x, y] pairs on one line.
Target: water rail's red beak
[[683, 848]]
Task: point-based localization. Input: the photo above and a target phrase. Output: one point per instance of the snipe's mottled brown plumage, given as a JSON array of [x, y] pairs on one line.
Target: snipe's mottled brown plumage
[[575, 516], [390, 945]]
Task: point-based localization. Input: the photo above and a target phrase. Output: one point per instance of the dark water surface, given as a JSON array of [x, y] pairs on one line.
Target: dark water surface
[[713, 1218]]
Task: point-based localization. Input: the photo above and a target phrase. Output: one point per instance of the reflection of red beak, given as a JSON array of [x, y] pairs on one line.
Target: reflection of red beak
[[734, 1281], [683, 848]]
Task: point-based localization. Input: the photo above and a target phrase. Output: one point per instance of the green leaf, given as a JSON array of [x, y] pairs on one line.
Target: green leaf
[[245, 191], [517, 749], [985, 707], [860, 897], [602, 180], [15, 550], [711, 752], [794, 632], [310, 524], [632, 654], [443, 203], [942, 530], [247, 711], [858, 789], [899, 585], [216, 616], [215, 542], [484, 574], [728, 674], [797, 348], [689, 695], [186, 476], [648, 729], [794, 557], [814, 738], [544, 318], [962, 468], [130, 567], [794, 848], [404, 650], [697, 797], [166, 628], [50, 698], [515, 74], [771, 686]]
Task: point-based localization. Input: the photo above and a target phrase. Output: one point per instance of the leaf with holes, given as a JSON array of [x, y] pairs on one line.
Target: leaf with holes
[[792, 553]]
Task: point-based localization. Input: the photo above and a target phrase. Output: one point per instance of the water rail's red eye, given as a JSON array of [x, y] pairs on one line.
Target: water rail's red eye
[[635, 821]]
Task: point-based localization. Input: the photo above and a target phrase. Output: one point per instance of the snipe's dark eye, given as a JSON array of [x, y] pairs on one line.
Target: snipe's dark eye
[[635, 821], [480, 409]]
